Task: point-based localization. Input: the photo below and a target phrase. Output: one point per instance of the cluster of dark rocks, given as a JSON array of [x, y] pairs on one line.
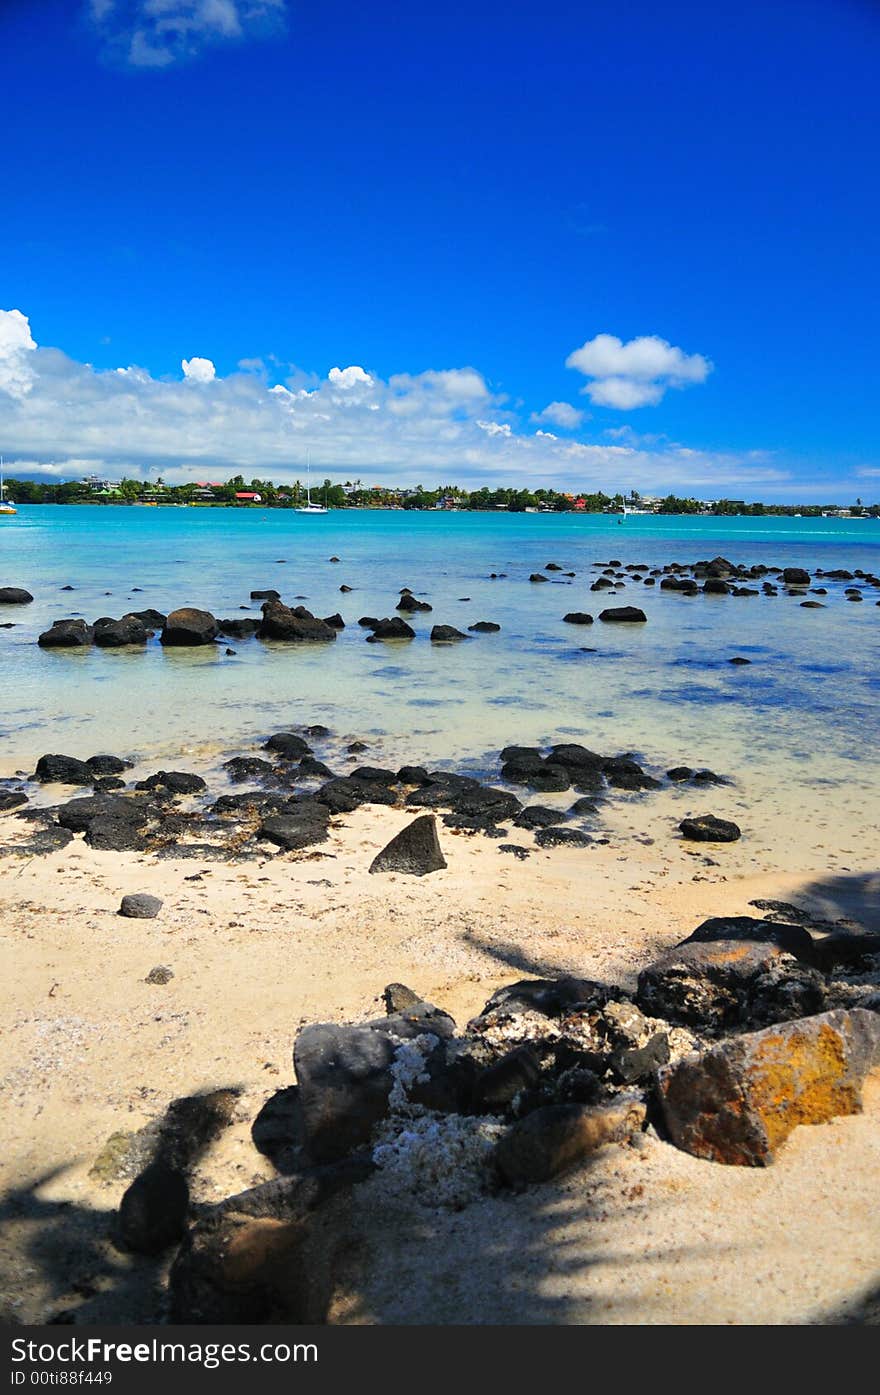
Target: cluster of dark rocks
[[190, 626], [293, 795], [720, 577], [744, 1030]]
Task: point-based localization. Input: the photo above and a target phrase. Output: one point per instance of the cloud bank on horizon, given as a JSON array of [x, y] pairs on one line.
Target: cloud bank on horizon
[[160, 33], [67, 418]]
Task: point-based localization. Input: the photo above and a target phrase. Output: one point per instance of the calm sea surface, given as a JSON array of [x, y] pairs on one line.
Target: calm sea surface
[[803, 714]]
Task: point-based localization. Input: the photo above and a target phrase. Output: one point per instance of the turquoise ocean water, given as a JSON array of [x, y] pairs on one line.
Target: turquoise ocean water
[[807, 704]]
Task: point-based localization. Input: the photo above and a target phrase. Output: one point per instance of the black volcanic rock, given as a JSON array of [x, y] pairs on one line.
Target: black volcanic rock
[[415, 850], [242, 628], [393, 628], [297, 626], [188, 627], [63, 770], [409, 602], [66, 634], [624, 614], [288, 745], [709, 829], [116, 634]]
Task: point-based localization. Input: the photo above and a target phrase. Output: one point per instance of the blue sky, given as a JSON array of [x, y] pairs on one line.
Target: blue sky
[[455, 200]]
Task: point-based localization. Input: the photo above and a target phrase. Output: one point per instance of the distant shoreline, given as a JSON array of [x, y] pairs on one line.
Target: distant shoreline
[[769, 511]]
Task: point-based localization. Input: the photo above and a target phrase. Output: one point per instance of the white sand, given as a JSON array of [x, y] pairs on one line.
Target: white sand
[[259, 949]]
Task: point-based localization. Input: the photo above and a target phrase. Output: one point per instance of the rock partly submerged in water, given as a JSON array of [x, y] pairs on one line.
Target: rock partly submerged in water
[[188, 627], [624, 614], [118, 634], [388, 628], [66, 634], [298, 625]]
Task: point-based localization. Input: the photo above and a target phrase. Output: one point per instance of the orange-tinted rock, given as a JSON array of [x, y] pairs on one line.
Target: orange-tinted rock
[[722, 985], [738, 1102]]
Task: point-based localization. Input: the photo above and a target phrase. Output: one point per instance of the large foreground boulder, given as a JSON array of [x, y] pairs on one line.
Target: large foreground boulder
[[729, 985], [415, 850], [738, 1102], [152, 1213], [268, 1255], [793, 939], [188, 626], [345, 1076]]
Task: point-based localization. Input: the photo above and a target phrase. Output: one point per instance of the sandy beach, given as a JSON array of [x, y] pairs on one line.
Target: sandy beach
[[647, 1235], [439, 681]]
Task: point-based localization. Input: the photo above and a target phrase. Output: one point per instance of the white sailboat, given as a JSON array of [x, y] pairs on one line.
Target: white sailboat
[[5, 509], [309, 507]]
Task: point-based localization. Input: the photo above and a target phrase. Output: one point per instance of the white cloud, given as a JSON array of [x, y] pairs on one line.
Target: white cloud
[[67, 418], [16, 347], [623, 393], [560, 414], [635, 374], [350, 377], [158, 33], [198, 370]]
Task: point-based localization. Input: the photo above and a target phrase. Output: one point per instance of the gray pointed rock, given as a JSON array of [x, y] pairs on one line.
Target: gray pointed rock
[[415, 849]]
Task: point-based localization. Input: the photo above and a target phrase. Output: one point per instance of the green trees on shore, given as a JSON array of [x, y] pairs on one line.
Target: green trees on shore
[[238, 492]]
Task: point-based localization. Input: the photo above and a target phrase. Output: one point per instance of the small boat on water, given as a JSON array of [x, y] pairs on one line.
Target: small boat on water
[[309, 507], [6, 510]]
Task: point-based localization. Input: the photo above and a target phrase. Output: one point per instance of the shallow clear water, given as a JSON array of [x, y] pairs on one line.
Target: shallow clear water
[[803, 713]]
